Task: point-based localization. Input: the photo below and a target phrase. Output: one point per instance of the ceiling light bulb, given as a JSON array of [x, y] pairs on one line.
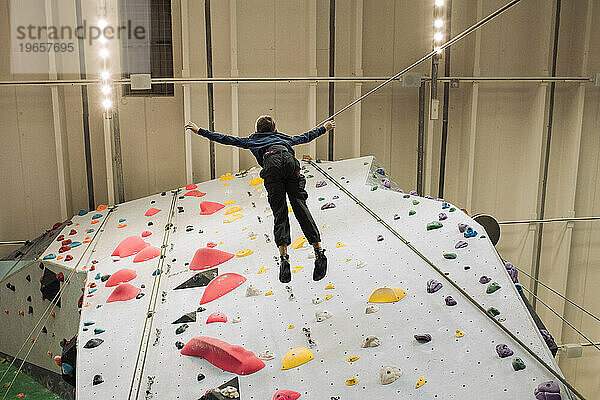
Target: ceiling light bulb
[[107, 103], [439, 3], [438, 23], [103, 53], [105, 75], [438, 37], [102, 24], [106, 89]]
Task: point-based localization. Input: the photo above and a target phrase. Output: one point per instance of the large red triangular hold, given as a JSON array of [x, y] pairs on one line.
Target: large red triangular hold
[[151, 212], [221, 285], [223, 355], [121, 276], [130, 246], [210, 207], [123, 292], [284, 394], [146, 254], [195, 193], [191, 186], [207, 258]]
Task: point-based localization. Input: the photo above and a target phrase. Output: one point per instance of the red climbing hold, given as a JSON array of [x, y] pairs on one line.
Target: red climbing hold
[[223, 355], [6, 310], [57, 360], [66, 242], [216, 317], [147, 254], [146, 233], [123, 292], [121, 276], [56, 226], [283, 394], [22, 313], [210, 207], [73, 231], [68, 257], [21, 396], [208, 258], [191, 186], [195, 193], [211, 244], [151, 212], [63, 249], [221, 285], [60, 238], [130, 246], [60, 276]]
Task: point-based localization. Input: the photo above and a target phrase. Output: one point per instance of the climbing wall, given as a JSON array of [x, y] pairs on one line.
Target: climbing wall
[[185, 298]]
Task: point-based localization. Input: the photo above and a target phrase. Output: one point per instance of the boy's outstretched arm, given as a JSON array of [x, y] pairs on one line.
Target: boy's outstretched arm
[[312, 135], [218, 137]]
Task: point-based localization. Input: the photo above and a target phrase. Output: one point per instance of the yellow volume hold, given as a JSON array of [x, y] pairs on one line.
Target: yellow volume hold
[[296, 357]]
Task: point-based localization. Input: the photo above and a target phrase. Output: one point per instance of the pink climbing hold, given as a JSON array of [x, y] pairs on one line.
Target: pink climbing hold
[[195, 193], [216, 317], [146, 254], [130, 246], [123, 292], [284, 394], [221, 285], [191, 186], [146, 233], [211, 244], [210, 207], [121, 276], [207, 258], [223, 355], [152, 212]]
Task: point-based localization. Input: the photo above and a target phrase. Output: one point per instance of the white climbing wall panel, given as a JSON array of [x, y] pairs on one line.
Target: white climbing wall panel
[[138, 357]]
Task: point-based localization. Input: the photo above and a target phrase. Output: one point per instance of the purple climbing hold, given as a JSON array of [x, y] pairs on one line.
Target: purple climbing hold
[[462, 227], [484, 279], [423, 338], [399, 191], [396, 216], [547, 391], [413, 193], [549, 340], [379, 238], [335, 197], [327, 205], [386, 183], [450, 301], [461, 244], [512, 271], [503, 351], [433, 286], [443, 216], [321, 184]]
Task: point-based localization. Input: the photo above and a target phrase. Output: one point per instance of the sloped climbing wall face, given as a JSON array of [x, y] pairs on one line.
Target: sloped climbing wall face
[[227, 321]]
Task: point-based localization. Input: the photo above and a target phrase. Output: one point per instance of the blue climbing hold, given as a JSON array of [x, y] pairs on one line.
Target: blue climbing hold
[[445, 205], [50, 256], [157, 272], [66, 368], [406, 196], [380, 171], [75, 244], [88, 323], [98, 331], [96, 216], [97, 276], [122, 220], [81, 213], [470, 232], [92, 290]]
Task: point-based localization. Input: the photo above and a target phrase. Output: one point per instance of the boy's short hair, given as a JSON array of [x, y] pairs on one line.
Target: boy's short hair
[[265, 123]]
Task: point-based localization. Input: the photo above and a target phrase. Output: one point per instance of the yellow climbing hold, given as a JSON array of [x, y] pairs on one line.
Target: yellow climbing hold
[[340, 244], [226, 177], [232, 217], [329, 297], [296, 357], [348, 259], [330, 286], [296, 244], [256, 181], [291, 326], [244, 253], [270, 292], [386, 295], [352, 359], [253, 237], [228, 202], [225, 184], [352, 381], [420, 382], [290, 209], [262, 269], [297, 268], [459, 334], [232, 210]]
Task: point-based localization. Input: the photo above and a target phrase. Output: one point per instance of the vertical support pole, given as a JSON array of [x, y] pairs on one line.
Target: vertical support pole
[[312, 86], [187, 101], [421, 138], [446, 103], [331, 72], [358, 71], [118, 159], [58, 127], [209, 74], [235, 129], [106, 124]]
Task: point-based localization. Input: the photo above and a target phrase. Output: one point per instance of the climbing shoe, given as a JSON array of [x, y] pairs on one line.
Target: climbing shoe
[[285, 275], [320, 265]]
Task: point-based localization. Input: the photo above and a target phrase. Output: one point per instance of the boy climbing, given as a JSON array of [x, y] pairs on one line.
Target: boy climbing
[[281, 172]]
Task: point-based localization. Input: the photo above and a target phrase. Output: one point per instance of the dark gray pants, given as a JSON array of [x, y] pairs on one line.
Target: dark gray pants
[[281, 172]]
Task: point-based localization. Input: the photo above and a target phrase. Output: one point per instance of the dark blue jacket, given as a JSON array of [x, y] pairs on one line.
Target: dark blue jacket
[[259, 142]]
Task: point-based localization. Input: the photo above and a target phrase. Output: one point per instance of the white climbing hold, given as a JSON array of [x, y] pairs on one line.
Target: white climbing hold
[[322, 315], [317, 300], [371, 309], [389, 374], [252, 291], [371, 341], [236, 319], [360, 264], [266, 355], [230, 392]]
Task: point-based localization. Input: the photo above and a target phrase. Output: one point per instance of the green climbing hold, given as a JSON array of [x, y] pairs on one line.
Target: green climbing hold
[[365, 163], [450, 256], [412, 212], [309, 176], [415, 202], [374, 188], [318, 161], [434, 225], [374, 176], [452, 209], [329, 167], [518, 364], [482, 237], [321, 198], [493, 311], [492, 287]]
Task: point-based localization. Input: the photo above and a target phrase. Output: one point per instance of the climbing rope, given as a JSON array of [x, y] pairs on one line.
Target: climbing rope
[[437, 50], [49, 310], [152, 303], [454, 284], [559, 295]]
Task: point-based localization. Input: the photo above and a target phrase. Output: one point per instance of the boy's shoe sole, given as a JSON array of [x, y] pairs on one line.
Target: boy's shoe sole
[[285, 275], [320, 267]]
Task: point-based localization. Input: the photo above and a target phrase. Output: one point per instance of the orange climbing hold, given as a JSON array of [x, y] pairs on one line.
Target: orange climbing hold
[[123, 292], [101, 207], [223, 355], [195, 193], [121, 276], [146, 233], [130, 246], [221, 285], [121, 226], [210, 207], [208, 257], [152, 212], [146, 254]]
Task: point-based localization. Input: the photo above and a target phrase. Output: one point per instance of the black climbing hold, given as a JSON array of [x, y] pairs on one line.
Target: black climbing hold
[[163, 194], [153, 201], [143, 286], [104, 278], [181, 197], [93, 343], [10, 286], [44, 330], [179, 345], [50, 285], [29, 299], [139, 295], [423, 338], [467, 268], [200, 377], [150, 223], [30, 310], [200, 309], [200, 279], [233, 383], [189, 317], [181, 329], [97, 380], [28, 278]]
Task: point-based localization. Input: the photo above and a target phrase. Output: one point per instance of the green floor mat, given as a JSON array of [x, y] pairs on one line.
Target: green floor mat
[[23, 384]]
